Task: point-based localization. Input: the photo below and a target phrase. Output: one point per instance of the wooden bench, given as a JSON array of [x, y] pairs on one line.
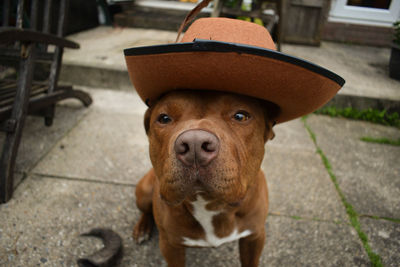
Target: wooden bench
[[27, 42]]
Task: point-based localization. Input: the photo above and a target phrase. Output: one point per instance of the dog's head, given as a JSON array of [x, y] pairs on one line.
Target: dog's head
[[211, 143]]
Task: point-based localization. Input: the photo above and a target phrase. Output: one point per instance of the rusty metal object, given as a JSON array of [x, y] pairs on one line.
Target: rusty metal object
[[110, 255]]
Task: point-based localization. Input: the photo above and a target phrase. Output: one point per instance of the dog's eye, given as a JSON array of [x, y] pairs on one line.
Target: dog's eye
[[164, 119], [241, 116]]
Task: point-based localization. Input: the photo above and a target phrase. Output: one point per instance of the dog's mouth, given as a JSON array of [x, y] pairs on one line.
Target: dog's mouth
[[196, 179], [213, 181]]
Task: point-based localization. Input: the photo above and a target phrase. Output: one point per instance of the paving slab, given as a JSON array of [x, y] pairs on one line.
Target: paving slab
[[384, 239], [300, 186], [38, 139], [33, 143], [110, 144], [365, 68], [116, 102], [103, 147], [367, 173], [311, 243], [104, 65], [293, 135], [42, 223], [113, 41]]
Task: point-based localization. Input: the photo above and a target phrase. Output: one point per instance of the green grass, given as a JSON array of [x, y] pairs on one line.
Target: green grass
[[381, 218], [371, 115], [383, 140], [353, 216]]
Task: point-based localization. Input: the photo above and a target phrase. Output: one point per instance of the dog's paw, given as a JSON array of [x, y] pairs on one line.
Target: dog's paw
[[142, 230]]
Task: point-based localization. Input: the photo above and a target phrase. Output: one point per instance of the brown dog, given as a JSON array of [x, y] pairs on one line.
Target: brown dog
[[206, 187]]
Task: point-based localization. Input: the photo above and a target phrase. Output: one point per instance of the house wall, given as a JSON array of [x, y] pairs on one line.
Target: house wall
[[361, 25], [357, 34]]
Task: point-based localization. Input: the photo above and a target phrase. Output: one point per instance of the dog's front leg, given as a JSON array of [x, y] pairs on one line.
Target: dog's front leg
[[250, 249], [175, 256]]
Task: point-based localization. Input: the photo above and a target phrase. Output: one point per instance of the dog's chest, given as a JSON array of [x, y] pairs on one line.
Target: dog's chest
[[205, 219]]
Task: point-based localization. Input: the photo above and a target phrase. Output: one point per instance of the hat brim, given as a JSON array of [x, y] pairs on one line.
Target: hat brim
[[297, 86]]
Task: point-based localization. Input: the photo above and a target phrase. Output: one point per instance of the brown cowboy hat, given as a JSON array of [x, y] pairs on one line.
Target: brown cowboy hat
[[234, 56]]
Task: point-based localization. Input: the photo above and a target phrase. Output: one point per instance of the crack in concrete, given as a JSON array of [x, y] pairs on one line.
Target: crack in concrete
[[395, 220], [314, 219], [80, 179], [376, 259]]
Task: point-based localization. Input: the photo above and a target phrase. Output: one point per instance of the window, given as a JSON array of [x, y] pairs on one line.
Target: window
[[367, 12]]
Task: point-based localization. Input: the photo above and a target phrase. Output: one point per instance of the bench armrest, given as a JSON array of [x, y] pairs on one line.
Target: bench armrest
[[10, 35]]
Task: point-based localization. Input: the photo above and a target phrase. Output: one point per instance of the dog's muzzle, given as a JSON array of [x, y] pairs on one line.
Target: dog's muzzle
[[196, 148]]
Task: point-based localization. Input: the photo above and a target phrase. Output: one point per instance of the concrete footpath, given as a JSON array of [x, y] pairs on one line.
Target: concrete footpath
[[334, 200]]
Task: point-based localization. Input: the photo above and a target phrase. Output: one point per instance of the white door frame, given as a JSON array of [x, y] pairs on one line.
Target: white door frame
[[340, 12]]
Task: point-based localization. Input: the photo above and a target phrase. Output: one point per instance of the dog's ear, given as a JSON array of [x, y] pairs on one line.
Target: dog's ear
[[269, 132], [146, 120], [271, 112]]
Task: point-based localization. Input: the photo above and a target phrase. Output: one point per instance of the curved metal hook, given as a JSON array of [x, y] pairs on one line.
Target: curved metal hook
[[108, 256]]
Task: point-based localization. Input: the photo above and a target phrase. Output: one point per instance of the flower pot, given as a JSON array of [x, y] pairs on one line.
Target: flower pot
[[394, 64]]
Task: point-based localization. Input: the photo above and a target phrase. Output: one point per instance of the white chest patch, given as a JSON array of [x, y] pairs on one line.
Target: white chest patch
[[204, 217]]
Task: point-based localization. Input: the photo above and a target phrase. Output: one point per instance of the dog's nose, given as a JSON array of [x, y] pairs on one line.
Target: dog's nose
[[196, 147]]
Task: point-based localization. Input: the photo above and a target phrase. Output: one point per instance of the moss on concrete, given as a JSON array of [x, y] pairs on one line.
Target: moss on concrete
[[351, 212]]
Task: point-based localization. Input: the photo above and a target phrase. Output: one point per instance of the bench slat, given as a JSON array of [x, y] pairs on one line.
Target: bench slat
[[15, 54], [9, 95]]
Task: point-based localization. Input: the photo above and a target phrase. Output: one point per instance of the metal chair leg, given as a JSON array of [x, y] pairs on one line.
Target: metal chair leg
[[13, 137], [49, 115]]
